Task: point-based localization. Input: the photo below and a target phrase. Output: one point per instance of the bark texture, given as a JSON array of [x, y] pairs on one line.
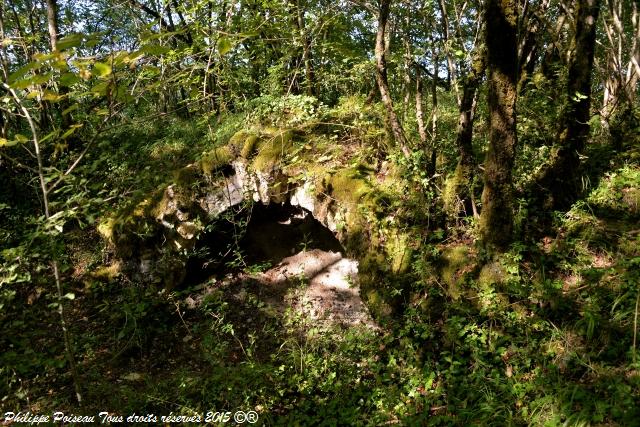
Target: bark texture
[[496, 220]]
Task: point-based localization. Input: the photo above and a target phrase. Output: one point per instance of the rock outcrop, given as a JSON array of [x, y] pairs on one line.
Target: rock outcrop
[[151, 239]]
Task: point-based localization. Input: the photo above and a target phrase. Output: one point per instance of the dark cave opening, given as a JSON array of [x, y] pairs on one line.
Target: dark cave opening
[[256, 235]]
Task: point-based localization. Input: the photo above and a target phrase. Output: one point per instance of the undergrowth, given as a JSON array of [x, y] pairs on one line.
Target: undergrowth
[[544, 334]]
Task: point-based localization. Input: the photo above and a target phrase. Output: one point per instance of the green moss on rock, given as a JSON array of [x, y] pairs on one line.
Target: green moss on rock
[[491, 275], [399, 252], [270, 150], [249, 146], [457, 262], [347, 186], [215, 159]]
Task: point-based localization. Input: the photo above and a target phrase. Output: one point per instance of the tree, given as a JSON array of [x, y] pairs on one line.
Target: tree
[[622, 57], [559, 179], [382, 79], [496, 220]]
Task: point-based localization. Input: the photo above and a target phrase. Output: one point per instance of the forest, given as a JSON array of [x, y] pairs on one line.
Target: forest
[[320, 212]]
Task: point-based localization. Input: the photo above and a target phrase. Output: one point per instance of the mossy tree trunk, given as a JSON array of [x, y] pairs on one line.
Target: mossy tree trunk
[[382, 80], [559, 179], [496, 221], [466, 167]]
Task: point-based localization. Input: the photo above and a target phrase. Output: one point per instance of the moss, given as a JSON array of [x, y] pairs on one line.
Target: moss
[[271, 150], [187, 176], [457, 192], [491, 274], [347, 186], [450, 192], [106, 228], [238, 138], [107, 273], [456, 264], [249, 146], [160, 201], [399, 252], [215, 159], [377, 304]]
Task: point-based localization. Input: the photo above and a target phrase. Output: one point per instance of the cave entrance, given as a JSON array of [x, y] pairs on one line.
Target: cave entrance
[[275, 232], [257, 235], [300, 264]]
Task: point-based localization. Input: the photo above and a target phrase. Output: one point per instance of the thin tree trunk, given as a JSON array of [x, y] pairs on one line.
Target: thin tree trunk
[[381, 79], [496, 220], [5, 70], [560, 177], [422, 129], [466, 109], [552, 58], [431, 170], [529, 44], [406, 77], [45, 200], [621, 70], [52, 25], [309, 74], [447, 49]]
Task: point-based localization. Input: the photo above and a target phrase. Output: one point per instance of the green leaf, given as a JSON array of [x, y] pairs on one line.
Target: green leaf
[[70, 296], [579, 97], [70, 109], [51, 96], [224, 45], [100, 88], [41, 57], [22, 71], [21, 138], [154, 49], [49, 136], [71, 130], [101, 69], [36, 79], [72, 40], [69, 79]]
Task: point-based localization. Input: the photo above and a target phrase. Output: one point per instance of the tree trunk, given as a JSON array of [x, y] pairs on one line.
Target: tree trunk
[[560, 178], [529, 43], [431, 170], [381, 79], [422, 129], [52, 24], [446, 38], [4, 63], [496, 221], [309, 79], [622, 66], [466, 168], [466, 110], [406, 76]]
